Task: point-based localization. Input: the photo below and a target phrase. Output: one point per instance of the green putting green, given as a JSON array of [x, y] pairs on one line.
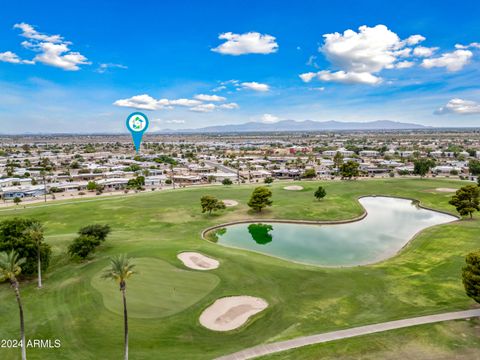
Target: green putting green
[[157, 290]]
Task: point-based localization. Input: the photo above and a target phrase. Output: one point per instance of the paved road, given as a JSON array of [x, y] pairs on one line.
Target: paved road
[[220, 167], [266, 349]]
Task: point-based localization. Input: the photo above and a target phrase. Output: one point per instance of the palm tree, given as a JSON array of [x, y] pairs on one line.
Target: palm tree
[[9, 270], [120, 270], [35, 231]]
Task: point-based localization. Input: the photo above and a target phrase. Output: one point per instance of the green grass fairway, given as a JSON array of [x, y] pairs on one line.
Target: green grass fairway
[[75, 307], [451, 340], [158, 290]]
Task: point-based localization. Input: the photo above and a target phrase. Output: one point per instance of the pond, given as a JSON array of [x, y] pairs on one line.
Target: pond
[[390, 224]]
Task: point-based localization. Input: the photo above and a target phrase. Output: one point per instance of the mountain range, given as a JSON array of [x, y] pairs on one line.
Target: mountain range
[[307, 125]]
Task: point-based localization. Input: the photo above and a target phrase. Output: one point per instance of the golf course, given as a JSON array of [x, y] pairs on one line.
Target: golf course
[[166, 298]]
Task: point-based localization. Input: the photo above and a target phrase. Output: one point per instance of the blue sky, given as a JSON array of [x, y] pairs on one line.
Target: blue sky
[[187, 64]]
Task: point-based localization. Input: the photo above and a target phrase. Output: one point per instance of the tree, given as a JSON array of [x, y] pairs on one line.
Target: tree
[[35, 232], [309, 173], [14, 236], [320, 193], [211, 203], [83, 246], [10, 268], [349, 169], [471, 276], [120, 270], [466, 200], [261, 198], [422, 166], [96, 230], [338, 159], [227, 181], [474, 167], [17, 200], [268, 180], [92, 186], [137, 183]]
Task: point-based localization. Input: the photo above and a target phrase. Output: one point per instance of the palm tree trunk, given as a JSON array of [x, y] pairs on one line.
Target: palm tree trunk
[[125, 319], [22, 325], [39, 268]]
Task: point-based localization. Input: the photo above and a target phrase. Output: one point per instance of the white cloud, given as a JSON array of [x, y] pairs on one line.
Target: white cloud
[[307, 77], [142, 102], [104, 67], [460, 107], [146, 102], [404, 64], [255, 86], [414, 39], [269, 118], [204, 97], [349, 77], [13, 58], [52, 50], [369, 50], [58, 55], [204, 108], [452, 61], [183, 102], [219, 88], [474, 45], [29, 32], [361, 55], [248, 43], [229, 106], [423, 51]]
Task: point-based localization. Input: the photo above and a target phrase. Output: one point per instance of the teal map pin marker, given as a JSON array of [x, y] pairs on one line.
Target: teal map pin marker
[[137, 124]]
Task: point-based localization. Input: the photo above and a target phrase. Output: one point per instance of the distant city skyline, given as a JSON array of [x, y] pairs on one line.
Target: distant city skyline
[[187, 65]]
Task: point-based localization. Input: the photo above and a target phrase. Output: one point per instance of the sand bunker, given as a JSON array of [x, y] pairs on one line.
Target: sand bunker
[[293, 187], [197, 261], [229, 313], [230, 203], [448, 190]]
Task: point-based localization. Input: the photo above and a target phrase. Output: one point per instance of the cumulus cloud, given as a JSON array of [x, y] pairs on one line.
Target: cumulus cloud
[[52, 50], [360, 56], [204, 108], [58, 55], [460, 107], [204, 97], [269, 118], [422, 51], [248, 43], [13, 58], [29, 32], [474, 45], [255, 86], [452, 61], [146, 102], [414, 39], [229, 106], [349, 77], [141, 102], [404, 64]]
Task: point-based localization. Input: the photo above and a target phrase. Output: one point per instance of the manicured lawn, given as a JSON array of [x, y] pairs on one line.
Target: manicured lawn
[[157, 290], [423, 279], [452, 340]]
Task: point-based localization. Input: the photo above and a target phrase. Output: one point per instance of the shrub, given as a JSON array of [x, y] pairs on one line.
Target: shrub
[[83, 246], [95, 230]]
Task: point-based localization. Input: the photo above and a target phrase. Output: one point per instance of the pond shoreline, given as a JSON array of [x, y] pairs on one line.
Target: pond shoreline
[[211, 229]]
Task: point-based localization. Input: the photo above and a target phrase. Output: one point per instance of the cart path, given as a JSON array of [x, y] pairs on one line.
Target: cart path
[[271, 348]]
